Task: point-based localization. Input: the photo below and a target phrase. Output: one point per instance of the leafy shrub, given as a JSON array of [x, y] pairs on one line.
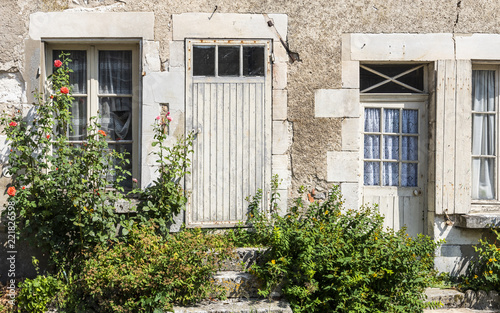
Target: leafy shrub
[[484, 272], [61, 190], [148, 272], [165, 197], [332, 260], [36, 294]]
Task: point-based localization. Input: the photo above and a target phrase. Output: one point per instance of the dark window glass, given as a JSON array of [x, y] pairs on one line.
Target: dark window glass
[[253, 61], [414, 79], [77, 78], [229, 60], [115, 72], [203, 61]]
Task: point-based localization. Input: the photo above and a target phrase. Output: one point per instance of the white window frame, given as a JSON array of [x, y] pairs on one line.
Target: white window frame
[[93, 49]]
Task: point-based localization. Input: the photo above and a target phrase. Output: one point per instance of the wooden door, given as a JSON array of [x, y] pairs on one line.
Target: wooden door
[[229, 107], [395, 162]]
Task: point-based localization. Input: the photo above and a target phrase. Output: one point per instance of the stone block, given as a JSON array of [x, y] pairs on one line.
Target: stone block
[[227, 25], [337, 103], [351, 134], [279, 52], [177, 54], [402, 47], [282, 137], [280, 75], [11, 88], [346, 47], [280, 105], [478, 46], [351, 195], [350, 74], [280, 166], [92, 25], [343, 166], [151, 52]]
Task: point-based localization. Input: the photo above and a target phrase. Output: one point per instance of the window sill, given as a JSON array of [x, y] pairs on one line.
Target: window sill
[[478, 220]]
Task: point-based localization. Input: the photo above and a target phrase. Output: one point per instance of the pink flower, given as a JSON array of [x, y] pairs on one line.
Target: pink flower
[[64, 90], [134, 180], [169, 118], [158, 118], [168, 113], [57, 63], [13, 124]]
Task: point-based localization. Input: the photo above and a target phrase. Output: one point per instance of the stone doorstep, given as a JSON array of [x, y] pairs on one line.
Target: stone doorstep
[[237, 306], [451, 298]]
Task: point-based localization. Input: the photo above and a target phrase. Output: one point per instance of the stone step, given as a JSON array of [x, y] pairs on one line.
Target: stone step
[[243, 259], [237, 306], [476, 300], [238, 284]]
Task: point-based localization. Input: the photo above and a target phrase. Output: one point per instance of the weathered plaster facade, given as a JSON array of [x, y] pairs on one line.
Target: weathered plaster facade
[[316, 112]]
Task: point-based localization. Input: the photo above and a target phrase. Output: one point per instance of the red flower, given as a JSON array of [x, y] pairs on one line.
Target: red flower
[[169, 118], [48, 136], [57, 63], [51, 96], [64, 90], [102, 132], [24, 187], [13, 124], [11, 191]]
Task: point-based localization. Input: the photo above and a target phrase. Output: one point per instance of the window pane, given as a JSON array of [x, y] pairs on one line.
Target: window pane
[[409, 148], [253, 61], [391, 174], [116, 117], [391, 121], [115, 72], [483, 134], [77, 78], [409, 174], [391, 147], [414, 79], [372, 147], [229, 61], [78, 110], [483, 91], [122, 148], [483, 178], [372, 174], [204, 61], [410, 121], [372, 120]]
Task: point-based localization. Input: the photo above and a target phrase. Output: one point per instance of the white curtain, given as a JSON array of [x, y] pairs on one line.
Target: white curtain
[[115, 78], [483, 134], [372, 147]]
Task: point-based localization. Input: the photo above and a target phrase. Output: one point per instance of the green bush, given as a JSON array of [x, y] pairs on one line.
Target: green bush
[[148, 272], [328, 259], [484, 272]]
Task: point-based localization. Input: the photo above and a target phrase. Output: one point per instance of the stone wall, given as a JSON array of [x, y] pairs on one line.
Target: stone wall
[[315, 30]]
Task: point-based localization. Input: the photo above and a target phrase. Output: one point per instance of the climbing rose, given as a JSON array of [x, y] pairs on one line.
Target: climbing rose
[[64, 90], [24, 187], [102, 132], [134, 180], [11, 191], [13, 124], [48, 136], [57, 63], [168, 113], [158, 117], [169, 118]]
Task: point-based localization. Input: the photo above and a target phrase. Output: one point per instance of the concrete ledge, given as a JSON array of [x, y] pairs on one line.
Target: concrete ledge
[[478, 221]]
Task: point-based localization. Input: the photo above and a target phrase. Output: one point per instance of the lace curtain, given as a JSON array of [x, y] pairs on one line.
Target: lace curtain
[[394, 131], [483, 134]]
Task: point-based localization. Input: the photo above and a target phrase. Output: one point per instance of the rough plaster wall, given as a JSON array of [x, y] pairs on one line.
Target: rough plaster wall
[[314, 27]]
